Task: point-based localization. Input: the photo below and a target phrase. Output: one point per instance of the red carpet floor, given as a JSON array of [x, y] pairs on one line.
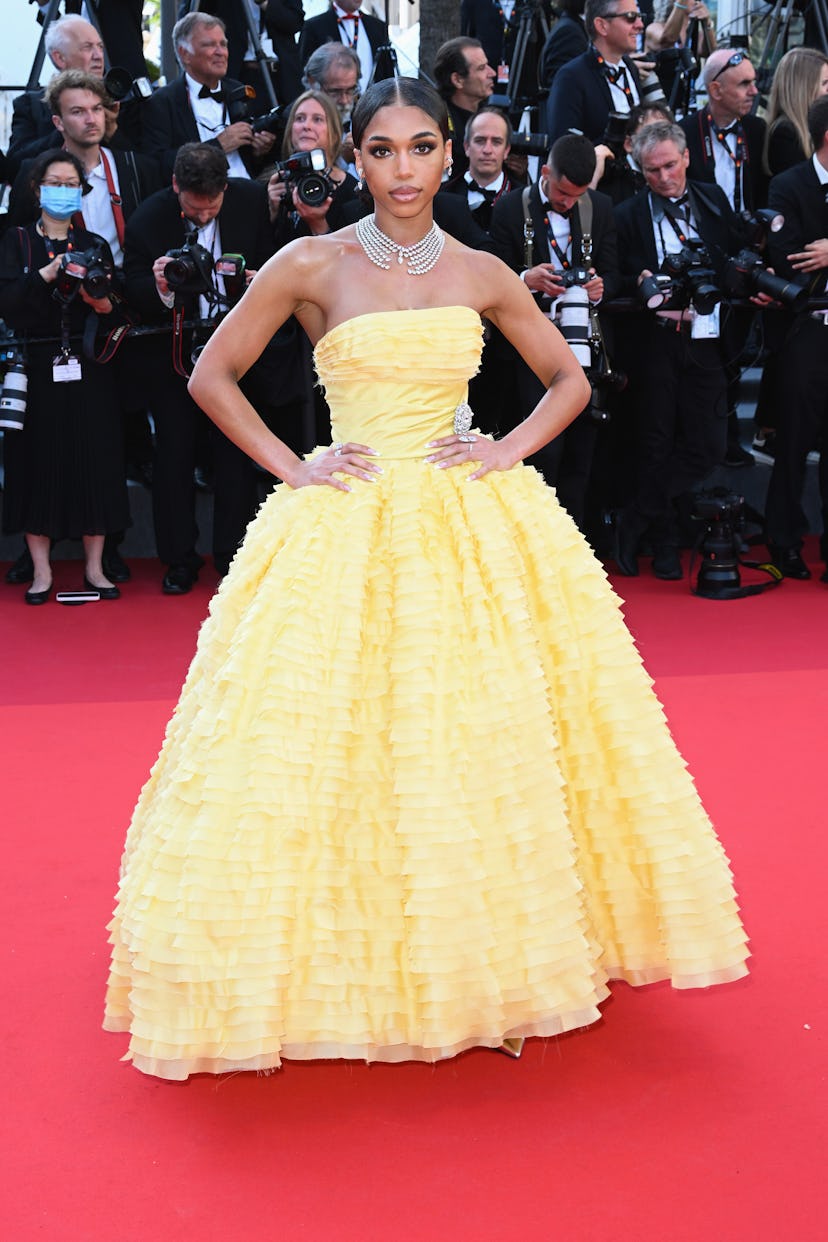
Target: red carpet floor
[[687, 1116]]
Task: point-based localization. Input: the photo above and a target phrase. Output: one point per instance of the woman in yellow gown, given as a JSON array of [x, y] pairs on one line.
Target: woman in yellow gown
[[417, 794]]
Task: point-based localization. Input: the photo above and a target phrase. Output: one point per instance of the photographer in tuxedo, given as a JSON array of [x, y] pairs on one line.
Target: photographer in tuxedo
[[344, 22], [539, 232], [223, 217], [602, 79], [195, 107], [799, 251], [673, 355]]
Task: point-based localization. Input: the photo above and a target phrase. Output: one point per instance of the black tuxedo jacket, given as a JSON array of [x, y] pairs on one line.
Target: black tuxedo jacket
[[169, 122], [580, 97], [507, 235], [244, 226], [138, 178], [157, 226], [567, 39], [481, 20], [702, 165], [798, 194], [325, 29], [282, 21], [718, 226]]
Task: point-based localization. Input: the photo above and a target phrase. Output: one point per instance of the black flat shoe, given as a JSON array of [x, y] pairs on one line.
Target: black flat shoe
[[21, 571], [179, 580], [115, 567], [789, 563], [104, 592], [38, 597]]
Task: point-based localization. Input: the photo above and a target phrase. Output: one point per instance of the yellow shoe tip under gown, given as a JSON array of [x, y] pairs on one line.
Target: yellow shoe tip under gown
[[417, 794]]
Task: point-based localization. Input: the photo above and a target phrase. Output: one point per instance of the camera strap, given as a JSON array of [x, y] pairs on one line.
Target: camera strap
[[528, 229], [775, 579], [112, 342], [179, 365]]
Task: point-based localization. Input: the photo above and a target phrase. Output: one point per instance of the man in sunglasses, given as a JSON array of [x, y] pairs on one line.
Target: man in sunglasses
[[725, 139], [602, 79]]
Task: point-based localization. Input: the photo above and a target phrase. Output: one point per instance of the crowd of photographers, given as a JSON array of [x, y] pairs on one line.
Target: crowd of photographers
[[669, 231]]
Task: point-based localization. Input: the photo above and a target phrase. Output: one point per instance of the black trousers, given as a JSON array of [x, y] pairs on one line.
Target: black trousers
[[679, 389], [566, 462], [801, 422]]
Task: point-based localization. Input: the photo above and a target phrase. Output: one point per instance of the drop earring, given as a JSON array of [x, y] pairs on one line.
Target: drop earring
[[449, 167], [359, 180]]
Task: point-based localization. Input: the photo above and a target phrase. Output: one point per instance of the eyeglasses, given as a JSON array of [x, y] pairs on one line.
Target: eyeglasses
[[630, 18], [341, 92], [730, 63], [63, 185]]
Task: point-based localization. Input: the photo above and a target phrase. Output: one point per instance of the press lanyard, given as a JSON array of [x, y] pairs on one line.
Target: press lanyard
[[738, 159], [565, 263], [352, 17], [617, 75]]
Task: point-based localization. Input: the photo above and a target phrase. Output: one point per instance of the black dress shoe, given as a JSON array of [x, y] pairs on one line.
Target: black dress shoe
[[627, 537], [667, 564], [737, 458], [789, 563], [178, 580], [38, 597], [104, 592], [115, 567], [21, 571]]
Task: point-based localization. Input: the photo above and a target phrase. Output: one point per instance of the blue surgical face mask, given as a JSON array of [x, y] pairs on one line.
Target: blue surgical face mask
[[60, 201]]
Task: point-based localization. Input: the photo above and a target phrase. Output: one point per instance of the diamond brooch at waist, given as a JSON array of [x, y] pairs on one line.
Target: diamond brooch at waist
[[463, 418], [381, 249]]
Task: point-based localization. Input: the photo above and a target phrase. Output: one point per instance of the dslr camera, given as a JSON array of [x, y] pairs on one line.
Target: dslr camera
[[746, 273], [91, 269], [306, 172], [239, 102], [692, 278], [190, 269]]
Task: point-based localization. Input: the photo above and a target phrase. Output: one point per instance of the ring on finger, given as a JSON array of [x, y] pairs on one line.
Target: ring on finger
[[465, 438], [338, 450]]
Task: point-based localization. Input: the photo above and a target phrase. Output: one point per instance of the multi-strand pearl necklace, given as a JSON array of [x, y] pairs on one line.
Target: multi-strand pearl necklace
[[380, 248]]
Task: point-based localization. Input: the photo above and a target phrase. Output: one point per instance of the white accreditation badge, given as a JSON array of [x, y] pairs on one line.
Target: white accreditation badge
[[66, 369]]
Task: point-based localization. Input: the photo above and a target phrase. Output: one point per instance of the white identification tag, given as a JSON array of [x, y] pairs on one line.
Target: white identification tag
[[66, 369], [706, 327]]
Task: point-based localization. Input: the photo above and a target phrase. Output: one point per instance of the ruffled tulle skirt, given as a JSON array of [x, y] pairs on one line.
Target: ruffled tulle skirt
[[417, 795]]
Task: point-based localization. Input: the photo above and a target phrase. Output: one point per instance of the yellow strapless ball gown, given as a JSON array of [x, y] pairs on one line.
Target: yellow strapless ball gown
[[417, 794]]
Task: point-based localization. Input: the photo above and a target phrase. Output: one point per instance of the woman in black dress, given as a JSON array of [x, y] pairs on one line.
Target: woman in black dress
[[313, 123], [65, 469]]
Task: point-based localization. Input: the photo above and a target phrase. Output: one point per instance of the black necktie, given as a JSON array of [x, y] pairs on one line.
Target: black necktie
[[206, 93]]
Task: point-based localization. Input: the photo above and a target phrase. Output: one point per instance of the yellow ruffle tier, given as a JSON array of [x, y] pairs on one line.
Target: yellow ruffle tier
[[417, 794]]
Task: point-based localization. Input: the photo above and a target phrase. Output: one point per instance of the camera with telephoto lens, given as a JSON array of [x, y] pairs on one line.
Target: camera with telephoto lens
[[306, 172], [14, 388], [574, 276], [746, 274], [615, 133], [722, 513], [190, 269], [692, 277], [91, 269], [524, 143]]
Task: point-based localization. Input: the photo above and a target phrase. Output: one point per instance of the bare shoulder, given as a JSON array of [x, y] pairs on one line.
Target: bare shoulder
[[485, 278]]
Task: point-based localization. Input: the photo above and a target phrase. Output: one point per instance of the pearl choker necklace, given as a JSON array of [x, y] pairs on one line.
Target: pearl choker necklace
[[380, 249]]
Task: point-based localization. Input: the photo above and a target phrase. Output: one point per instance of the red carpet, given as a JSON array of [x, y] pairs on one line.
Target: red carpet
[[689, 1116]]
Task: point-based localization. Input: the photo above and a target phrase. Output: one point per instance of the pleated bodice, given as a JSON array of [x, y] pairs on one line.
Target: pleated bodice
[[394, 380]]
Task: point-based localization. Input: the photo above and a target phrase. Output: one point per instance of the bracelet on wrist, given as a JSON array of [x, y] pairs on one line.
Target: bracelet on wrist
[[683, 7]]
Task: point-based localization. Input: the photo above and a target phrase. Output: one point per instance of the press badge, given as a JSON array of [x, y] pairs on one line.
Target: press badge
[[706, 327], [66, 369], [503, 74]]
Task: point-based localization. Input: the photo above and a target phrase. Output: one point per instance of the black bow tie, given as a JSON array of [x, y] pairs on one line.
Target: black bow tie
[[206, 93], [489, 195]]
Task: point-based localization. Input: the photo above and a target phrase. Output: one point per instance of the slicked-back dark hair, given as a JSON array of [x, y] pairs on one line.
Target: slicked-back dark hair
[[400, 92]]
